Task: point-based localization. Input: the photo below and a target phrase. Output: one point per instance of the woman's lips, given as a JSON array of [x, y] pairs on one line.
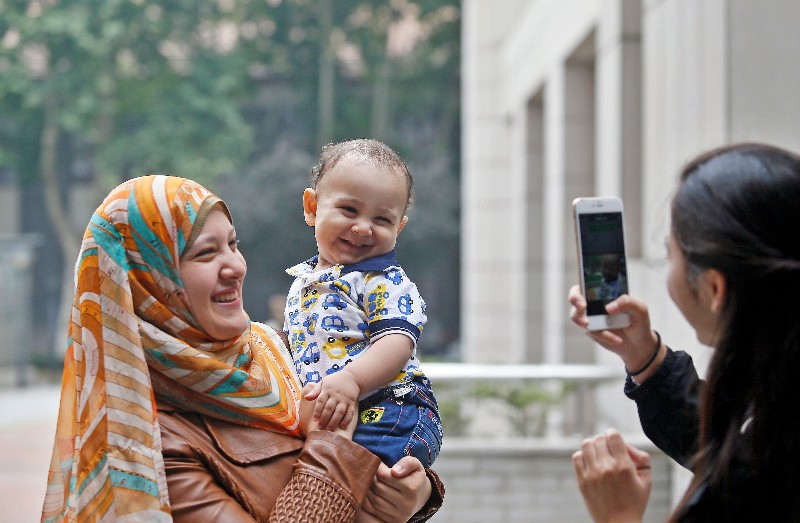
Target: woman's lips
[[225, 297]]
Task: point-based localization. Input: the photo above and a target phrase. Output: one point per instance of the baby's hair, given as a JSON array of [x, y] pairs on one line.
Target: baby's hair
[[362, 150]]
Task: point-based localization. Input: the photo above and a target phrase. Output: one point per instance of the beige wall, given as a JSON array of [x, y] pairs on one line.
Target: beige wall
[[492, 244], [531, 481], [606, 97], [765, 72]]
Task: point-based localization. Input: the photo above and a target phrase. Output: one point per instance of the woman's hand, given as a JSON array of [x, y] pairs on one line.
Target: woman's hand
[[307, 422], [614, 478], [634, 344], [398, 493]]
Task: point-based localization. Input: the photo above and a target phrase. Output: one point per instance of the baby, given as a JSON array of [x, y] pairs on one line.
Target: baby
[[353, 317]]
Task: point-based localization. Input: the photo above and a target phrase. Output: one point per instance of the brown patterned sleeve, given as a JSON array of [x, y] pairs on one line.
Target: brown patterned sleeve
[[434, 502], [329, 481]]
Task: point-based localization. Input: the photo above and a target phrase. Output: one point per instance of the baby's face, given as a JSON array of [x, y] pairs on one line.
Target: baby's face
[[357, 211]]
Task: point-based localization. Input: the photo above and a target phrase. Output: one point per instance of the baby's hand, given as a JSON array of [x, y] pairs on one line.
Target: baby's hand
[[337, 397]]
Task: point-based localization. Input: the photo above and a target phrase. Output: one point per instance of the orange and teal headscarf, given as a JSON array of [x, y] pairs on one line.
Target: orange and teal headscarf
[[132, 338]]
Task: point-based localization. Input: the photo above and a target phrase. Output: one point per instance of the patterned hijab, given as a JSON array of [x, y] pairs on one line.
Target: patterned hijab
[[132, 337]]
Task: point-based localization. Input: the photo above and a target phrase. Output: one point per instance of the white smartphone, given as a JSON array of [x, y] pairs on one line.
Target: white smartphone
[[602, 264]]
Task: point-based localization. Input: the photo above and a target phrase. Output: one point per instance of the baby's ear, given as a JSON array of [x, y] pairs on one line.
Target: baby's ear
[[403, 222], [310, 206]]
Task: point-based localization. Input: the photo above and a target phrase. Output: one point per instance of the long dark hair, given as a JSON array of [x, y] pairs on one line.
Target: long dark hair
[[737, 210]]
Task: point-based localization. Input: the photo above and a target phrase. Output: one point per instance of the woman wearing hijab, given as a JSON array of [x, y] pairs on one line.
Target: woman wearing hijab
[[174, 405]]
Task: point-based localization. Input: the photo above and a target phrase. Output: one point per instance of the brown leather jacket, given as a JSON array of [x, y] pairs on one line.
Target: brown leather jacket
[[220, 471]]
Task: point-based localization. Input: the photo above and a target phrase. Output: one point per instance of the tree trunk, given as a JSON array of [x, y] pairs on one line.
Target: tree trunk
[[327, 75], [381, 106], [68, 239]]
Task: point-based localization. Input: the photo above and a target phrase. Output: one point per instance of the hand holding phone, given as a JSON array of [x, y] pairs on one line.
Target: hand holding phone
[[602, 263]]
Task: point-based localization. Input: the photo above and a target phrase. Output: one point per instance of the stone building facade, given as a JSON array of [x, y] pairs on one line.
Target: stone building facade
[[567, 98]]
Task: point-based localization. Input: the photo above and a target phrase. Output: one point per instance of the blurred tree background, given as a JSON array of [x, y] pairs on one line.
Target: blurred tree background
[[239, 95]]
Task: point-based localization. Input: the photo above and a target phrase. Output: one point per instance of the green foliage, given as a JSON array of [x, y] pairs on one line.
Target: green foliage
[[221, 91], [529, 403], [453, 423], [519, 396], [135, 79], [111, 68], [487, 408]]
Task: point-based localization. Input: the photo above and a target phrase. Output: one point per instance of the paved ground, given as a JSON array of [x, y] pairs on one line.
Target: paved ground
[[27, 429]]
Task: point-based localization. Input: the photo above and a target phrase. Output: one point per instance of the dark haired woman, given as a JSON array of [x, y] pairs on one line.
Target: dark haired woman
[[734, 252]]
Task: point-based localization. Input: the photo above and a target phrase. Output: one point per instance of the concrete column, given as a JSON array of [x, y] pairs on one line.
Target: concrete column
[[517, 322], [579, 177], [619, 109], [685, 69], [764, 74], [534, 302], [555, 230], [491, 217]]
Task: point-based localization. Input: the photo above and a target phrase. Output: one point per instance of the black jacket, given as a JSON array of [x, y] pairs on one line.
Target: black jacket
[[669, 404]]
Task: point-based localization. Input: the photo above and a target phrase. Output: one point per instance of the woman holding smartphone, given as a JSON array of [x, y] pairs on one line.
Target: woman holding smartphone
[[734, 251]]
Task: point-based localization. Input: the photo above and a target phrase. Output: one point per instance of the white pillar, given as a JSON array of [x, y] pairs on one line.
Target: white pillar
[[555, 230]]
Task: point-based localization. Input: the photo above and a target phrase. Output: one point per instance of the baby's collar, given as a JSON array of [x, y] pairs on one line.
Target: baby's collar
[[378, 263], [375, 264]]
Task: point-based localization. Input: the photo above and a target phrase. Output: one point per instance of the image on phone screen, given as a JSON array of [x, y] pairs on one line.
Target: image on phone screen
[[605, 272]]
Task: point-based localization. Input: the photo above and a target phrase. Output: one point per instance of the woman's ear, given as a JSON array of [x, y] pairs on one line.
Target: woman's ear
[[310, 206], [715, 289]]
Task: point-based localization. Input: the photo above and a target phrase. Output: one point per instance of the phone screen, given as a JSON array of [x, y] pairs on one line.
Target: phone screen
[[605, 272]]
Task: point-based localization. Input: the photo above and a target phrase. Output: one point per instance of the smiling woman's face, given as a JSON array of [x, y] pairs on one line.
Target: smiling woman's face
[[212, 271]]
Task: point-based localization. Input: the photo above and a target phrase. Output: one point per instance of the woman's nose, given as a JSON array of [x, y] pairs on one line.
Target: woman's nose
[[235, 266]]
